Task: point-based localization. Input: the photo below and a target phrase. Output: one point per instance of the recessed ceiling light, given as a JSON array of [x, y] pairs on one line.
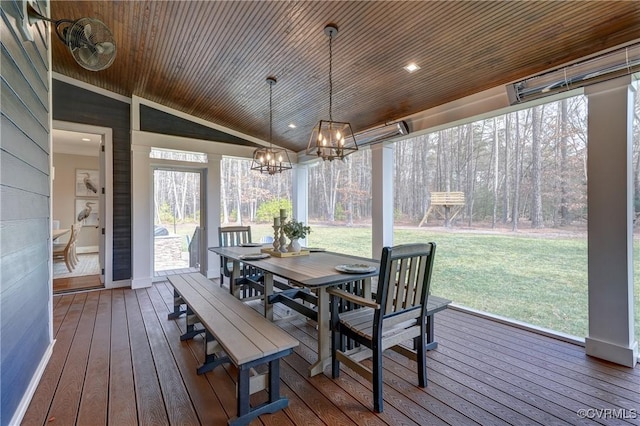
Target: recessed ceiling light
[[412, 67], [86, 139], [292, 126]]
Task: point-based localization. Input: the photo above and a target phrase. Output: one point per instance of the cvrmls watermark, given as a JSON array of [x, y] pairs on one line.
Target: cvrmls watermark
[[607, 413]]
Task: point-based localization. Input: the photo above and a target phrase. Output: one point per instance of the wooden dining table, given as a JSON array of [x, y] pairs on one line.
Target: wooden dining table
[[316, 272]]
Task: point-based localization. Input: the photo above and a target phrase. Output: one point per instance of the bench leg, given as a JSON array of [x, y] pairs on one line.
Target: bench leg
[[211, 360], [191, 319], [275, 402], [243, 407], [177, 302]]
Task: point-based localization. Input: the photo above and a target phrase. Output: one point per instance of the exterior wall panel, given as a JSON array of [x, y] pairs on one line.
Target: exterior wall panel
[[78, 105], [25, 240]]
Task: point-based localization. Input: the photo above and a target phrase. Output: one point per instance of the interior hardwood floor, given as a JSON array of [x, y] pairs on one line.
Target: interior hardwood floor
[[86, 282], [118, 360]]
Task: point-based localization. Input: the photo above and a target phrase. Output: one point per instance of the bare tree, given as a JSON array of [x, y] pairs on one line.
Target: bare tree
[[506, 189], [516, 174], [495, 155], [536, 166]]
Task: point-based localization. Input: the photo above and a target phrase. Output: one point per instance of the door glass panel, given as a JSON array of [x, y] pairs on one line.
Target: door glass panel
[[177, 221]]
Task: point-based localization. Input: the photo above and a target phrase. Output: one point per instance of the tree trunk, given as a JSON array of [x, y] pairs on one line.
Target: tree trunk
[[494, 156], [174, 205], [446, 138], [471, 173], [224, 183], [507, 151], [238, 193], [565, 218], [516, 175], [536, 169]]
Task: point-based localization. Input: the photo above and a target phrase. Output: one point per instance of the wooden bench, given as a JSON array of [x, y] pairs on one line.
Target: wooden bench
[[236, 333]]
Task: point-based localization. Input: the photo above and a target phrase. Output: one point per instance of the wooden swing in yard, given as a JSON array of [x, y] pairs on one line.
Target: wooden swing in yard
[[446, 204]]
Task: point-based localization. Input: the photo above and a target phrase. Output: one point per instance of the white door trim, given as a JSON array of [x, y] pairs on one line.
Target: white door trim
[[107, 221]]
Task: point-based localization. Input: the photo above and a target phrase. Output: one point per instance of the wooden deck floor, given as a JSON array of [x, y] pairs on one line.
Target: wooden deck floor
[[119, 361]]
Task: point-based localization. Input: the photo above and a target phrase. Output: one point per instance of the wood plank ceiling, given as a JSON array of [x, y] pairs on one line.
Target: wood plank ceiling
[[210, 59]]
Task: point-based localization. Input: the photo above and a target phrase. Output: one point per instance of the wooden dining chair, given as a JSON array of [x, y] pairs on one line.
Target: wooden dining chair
[[250, 278], [396, 315], [65, 250], [74, 248]]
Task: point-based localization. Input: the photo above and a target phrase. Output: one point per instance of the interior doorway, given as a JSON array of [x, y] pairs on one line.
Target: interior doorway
[[177, 221], [81, 206]]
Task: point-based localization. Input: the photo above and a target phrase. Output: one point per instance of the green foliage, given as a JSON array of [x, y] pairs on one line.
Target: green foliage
[[340, 213], [270, 209], [233, 216], [295, 229], [165, 213]]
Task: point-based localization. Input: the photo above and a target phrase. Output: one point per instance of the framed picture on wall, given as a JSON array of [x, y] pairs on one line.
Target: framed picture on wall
[[87, 183], [87, 212]]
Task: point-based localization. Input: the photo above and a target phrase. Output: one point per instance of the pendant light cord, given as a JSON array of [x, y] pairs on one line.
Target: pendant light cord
[[270, 114], [330, 79]]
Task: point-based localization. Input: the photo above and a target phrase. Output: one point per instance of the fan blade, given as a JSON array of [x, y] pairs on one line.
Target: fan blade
[[87, 31], [105, 48], [87, 56]]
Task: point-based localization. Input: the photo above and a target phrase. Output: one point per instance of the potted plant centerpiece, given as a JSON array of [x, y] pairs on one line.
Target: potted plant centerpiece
[[295, 230]]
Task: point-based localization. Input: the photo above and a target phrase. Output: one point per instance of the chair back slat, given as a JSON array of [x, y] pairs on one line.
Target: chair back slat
[[422, 270], [75, 230], [405, 275], [401, 287]]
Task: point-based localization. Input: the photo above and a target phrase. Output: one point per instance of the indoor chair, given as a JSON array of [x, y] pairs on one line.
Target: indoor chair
[[65, 250]]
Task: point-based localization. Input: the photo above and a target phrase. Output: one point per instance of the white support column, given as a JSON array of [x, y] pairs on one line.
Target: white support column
[[213, 213], [610, 202], [141, 217], [382, 194], [300, 194]]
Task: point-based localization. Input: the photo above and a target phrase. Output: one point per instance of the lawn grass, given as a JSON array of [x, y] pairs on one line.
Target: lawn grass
[[535, 279]]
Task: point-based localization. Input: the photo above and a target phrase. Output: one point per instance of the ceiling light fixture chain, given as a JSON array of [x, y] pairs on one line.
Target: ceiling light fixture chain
[[271, 82], [330, 74], [270, 160], [331, 139]]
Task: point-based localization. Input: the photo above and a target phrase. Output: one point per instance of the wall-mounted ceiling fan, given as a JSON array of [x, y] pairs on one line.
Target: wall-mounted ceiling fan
[[89, 40]]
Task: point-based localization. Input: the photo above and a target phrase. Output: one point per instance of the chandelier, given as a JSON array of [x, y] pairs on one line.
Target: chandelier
[[331, 139], [270, 160]]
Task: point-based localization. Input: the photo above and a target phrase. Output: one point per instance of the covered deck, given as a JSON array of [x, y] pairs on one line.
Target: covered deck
[[118, 360]]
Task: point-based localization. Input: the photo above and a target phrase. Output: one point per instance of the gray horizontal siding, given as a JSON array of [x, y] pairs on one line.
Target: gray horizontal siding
[[25, 241], [17, 204], [17, 111], [17, 173], [17, 82], [17, 144], [14, 239], [18, 53]]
